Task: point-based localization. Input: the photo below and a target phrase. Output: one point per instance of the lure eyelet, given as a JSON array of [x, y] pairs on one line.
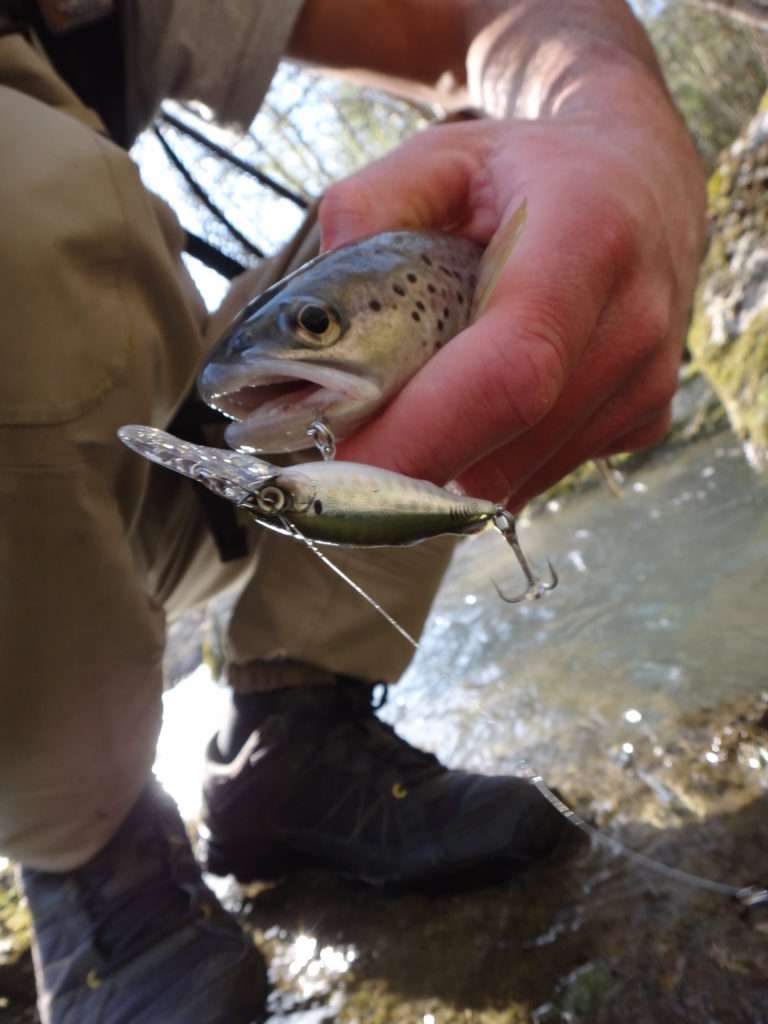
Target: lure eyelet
[[270, 500]]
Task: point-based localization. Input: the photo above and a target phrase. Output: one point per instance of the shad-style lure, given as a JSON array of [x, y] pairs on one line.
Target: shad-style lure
[[339, 503]]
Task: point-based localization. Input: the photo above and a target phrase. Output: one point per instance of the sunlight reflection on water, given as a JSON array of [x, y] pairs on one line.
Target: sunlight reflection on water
[[668, 616], [302, 970]]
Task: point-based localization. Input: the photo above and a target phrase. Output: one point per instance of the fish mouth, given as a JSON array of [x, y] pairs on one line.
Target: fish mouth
[[273, 403]]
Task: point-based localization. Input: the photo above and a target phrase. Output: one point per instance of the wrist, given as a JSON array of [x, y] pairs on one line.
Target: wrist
[[537, 59], [592, 85]]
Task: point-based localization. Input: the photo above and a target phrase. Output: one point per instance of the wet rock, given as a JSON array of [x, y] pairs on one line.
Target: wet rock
[[729, 330], [585, 990]]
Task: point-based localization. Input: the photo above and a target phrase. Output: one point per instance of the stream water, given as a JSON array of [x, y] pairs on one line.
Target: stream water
[[662, 607]]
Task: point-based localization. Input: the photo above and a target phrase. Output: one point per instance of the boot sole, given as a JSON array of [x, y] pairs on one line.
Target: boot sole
[[276, 864]]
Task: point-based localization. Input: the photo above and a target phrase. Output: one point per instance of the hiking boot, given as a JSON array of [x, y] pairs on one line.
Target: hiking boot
[[135, 937], [323, 783]]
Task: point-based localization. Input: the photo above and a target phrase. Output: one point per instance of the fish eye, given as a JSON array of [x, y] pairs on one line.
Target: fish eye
[[317, 324], [314, 319]]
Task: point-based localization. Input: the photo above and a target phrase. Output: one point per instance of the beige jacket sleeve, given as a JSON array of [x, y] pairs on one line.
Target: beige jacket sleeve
[[223, 54]]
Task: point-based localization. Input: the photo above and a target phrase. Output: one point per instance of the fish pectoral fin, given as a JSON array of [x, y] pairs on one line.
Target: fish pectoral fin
[[495, 257]]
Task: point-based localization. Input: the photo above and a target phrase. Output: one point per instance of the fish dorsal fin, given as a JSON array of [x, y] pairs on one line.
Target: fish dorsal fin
[[495, 257]]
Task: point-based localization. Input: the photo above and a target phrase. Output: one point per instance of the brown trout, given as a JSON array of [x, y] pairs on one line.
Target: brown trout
[[338, 338]]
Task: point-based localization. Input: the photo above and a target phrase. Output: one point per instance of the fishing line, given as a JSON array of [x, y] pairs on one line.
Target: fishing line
[[295, 532], [748, 896]]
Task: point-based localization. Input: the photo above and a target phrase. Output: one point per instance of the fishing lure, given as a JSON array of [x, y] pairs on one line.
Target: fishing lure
[[337, 503]]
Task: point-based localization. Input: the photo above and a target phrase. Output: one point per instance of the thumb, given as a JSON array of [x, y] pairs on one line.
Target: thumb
[[425, 183]]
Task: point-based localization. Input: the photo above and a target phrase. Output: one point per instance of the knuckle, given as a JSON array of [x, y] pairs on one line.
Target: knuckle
[[651, 323], [338, 196], [539, 369], [616, 235], [345, 204], [652, 391], [614, 232], [652, 433]]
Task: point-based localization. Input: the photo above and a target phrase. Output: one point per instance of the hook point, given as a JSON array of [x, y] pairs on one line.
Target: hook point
[[535, 591], [537, 588]]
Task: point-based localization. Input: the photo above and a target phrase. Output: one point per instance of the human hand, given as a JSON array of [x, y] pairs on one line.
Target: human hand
[[577, 353]]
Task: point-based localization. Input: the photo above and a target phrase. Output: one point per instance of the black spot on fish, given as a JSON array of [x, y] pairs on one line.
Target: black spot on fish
[[446, 312], [460, 297], [375, 305], [431, 288], [416, 317], [440, 325], [398, 288], [445, 270], [427, 260], [411, 278], [318, 506], [420, 305]]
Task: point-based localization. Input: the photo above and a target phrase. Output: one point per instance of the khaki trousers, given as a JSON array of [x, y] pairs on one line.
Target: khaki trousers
[[101, 326]]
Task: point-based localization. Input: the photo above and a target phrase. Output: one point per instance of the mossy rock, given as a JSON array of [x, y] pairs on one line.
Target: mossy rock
[[15, 923], [728, 338]]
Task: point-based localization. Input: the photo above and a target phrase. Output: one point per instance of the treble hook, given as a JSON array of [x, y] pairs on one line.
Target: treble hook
[[506, 525]]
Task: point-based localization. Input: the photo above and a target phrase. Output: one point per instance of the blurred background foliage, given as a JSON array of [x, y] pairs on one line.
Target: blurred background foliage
[[715, 66]]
